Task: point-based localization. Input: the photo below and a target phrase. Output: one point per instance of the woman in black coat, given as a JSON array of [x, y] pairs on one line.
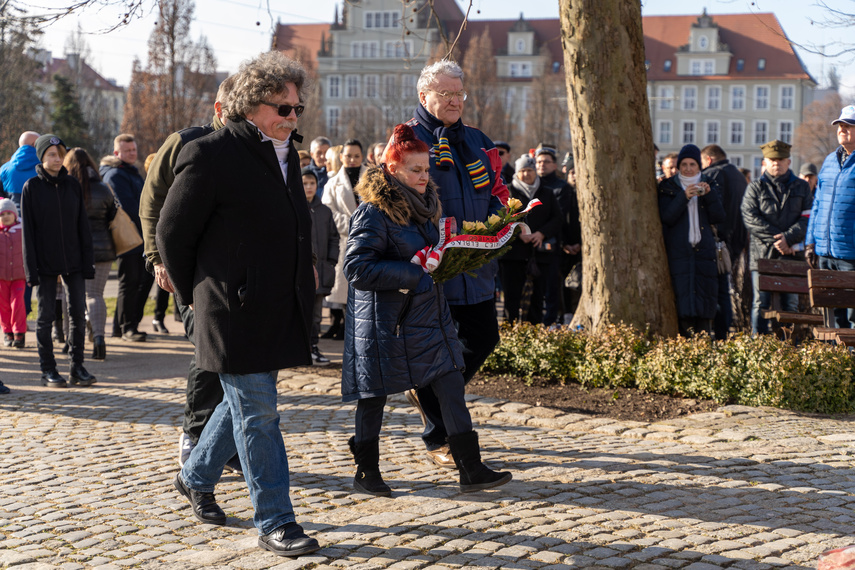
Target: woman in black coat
[[688, 205], [100, 209], [531, 255], [399, 334]]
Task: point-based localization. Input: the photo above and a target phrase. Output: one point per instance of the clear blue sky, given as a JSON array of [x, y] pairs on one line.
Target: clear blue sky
[[238, 29]]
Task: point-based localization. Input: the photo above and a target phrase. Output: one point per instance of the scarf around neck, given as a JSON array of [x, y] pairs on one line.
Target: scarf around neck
[[422, 206], [527, 189], [444, 138], [694, 222]]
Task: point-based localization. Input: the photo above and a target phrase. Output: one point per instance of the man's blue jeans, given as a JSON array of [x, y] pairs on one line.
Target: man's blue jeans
[[246, 422], [763, 301], [840, 265]]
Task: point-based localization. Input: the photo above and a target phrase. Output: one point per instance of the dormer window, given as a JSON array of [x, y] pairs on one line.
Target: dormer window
[[520, 46], [740, 64], [703, 42], [667, 67], [761, 64]]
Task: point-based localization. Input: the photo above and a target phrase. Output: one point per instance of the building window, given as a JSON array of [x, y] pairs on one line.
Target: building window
[[664, 132], [398, 49], [520, 46], [711, 135], [761, 97], [788, 93], [371, 82], [351, 90], [334, 87], [382, 19], [785, 131], [737, 133], [363, 49], [740, 64], [690, 98], [695, 67], [713, 98], [761, 64], [666, 98], [737, 98], [333, 115], [667, 66], [709, 67], [408, 86], [735, 159], [701, 67], [689, 132], [520, 69], [390, 87], [761, 132], [757, 171], [703, 42]]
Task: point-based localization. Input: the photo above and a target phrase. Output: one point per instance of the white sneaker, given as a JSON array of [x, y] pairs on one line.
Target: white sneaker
[[185, 447]]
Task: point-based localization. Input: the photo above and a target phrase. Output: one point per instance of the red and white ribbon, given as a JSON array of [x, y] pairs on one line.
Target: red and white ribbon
[[430, 257]]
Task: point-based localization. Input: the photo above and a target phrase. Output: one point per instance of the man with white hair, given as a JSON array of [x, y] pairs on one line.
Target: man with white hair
[[318, 149], [466, 166], [20, 168]]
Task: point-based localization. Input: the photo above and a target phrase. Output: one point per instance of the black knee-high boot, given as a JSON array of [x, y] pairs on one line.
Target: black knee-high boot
[[474, 475], [368, 478]]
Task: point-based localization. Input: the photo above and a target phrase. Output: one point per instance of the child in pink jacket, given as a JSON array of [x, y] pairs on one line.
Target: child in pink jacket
[[13, 316]]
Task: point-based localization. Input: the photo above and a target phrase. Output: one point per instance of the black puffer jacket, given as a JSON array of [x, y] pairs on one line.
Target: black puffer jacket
[[57, 239], [101, 210], [694, 272], [732, 185], [770, 209], [545, 219], [398, 332]]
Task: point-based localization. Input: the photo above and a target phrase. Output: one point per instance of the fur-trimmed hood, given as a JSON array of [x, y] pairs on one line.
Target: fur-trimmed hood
[[374, 189]]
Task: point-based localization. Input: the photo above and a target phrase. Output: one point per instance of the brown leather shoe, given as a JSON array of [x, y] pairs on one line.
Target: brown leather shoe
[[442, 457]]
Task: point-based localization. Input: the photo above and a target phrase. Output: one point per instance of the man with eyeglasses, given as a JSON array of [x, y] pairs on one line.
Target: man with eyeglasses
[[466, 166], [235, 237]]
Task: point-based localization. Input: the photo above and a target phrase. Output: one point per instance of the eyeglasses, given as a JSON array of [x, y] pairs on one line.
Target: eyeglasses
[[285, 110], [449, 95]]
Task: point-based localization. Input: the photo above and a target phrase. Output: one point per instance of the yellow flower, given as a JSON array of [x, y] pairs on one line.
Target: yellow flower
[[468, 226], [514, 205], [479, 225], [493, 220]]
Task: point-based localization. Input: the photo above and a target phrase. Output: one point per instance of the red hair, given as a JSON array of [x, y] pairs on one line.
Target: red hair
[[402, 143]]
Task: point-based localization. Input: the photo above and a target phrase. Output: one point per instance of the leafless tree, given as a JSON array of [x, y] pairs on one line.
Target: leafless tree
[[814, 138]]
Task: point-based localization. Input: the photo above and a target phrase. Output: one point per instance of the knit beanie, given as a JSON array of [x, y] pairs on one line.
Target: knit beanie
[[689, 151], [44, 142], [524, 161], [7, 205]]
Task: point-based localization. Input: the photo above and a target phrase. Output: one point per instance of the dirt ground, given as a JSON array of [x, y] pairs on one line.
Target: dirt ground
[[620, 404]]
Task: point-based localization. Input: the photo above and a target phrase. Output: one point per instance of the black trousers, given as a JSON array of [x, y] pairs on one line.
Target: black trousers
[[478, 330], [204, 390], [46, 295], [449, 392], [134, 285], [161, 303]]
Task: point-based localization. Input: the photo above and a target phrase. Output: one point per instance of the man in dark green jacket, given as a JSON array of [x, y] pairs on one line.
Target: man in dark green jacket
[[204, 391]]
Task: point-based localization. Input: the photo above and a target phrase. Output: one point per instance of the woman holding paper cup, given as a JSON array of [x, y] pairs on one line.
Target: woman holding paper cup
[[399, 334]]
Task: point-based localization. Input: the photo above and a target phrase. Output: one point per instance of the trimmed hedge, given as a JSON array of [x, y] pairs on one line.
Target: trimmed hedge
[[753, 371]]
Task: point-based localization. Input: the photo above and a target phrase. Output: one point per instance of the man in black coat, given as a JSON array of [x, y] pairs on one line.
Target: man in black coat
[[546, 160], [235, 238], [731, 231], [776, 209]]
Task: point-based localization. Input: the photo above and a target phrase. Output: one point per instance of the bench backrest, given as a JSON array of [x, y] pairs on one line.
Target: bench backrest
[[783, 275], [831, 288]]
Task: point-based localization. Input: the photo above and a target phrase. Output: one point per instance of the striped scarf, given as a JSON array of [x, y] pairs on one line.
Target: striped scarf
[[454, 136]]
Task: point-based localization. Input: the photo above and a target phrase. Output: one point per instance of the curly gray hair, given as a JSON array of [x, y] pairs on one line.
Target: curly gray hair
[[431, 72], [262, 77]]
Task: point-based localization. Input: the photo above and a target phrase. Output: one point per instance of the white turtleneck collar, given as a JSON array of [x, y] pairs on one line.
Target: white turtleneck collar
[[279, 147]]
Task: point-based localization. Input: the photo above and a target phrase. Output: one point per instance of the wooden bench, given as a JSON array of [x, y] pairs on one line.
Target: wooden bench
[[828, 290], [785, 276]]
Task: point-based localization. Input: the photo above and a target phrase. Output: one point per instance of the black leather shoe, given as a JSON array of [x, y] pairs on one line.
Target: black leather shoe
[[52, 379], [99, 348], [159, 326], [134, 336], [288, 540], [205, 507], [80, 375]]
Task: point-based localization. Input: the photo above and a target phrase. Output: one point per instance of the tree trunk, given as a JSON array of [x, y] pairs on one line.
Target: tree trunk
[[625, 269]]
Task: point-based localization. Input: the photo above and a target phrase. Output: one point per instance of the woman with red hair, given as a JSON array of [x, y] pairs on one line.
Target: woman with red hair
[[399, 334]]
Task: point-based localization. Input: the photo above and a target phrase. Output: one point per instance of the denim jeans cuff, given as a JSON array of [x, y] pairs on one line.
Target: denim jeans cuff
[[188, 479], [289, 518]]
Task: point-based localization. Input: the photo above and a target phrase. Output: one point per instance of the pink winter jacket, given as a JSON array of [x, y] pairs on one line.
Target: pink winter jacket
[[12, 253]]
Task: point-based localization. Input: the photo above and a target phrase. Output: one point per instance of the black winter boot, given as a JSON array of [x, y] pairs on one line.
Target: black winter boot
[[368, 478], [99, 348], [474, 475]]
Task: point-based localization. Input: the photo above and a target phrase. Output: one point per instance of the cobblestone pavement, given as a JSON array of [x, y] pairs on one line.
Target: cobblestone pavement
[[85, 481]]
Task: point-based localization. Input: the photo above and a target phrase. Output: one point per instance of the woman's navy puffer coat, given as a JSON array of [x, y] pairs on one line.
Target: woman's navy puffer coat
[[398, 330]]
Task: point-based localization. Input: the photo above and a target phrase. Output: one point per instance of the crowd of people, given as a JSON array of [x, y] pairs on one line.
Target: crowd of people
[[255, 238]]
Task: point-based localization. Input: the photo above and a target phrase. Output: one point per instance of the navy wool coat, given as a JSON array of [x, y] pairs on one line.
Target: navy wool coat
[[694, 272], [398, 331]]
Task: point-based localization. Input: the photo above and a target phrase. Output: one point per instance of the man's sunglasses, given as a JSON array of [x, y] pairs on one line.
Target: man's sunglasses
[[285, 110]]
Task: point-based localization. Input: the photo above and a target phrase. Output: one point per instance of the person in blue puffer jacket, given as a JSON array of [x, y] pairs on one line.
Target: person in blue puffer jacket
[[399, 334], [830, 240]]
